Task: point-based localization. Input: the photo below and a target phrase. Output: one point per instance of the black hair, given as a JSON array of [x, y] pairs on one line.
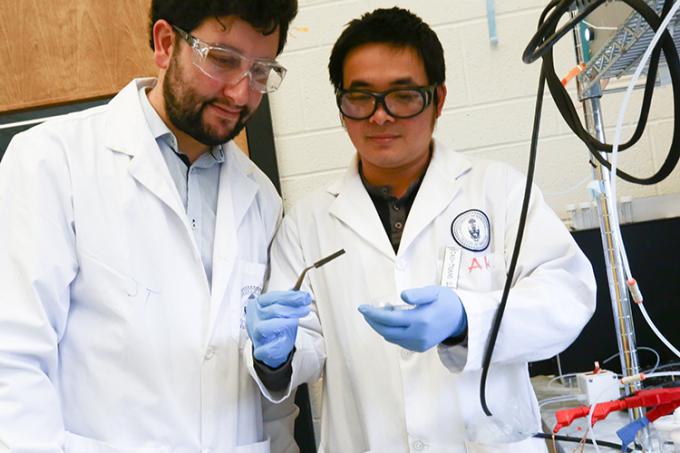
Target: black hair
[[263, 15], [395, 26]]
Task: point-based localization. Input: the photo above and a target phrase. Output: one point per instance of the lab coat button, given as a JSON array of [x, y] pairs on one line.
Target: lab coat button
[[405, 354], [401, 264], [210, 353], [419, 445]]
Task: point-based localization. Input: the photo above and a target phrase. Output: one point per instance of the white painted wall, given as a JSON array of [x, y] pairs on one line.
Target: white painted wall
[[489, 109]]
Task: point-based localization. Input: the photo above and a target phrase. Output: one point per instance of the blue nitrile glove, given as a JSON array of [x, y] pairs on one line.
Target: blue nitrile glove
[[437, 315], [272, 322]]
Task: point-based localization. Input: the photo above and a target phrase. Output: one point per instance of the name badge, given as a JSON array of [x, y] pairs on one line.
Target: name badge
[[451, 267]]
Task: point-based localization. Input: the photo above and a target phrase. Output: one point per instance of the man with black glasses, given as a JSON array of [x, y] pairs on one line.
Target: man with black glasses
[[428, 234], [131, 238]]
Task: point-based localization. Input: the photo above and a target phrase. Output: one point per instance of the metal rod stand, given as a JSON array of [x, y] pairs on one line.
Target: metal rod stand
[[623, 321]]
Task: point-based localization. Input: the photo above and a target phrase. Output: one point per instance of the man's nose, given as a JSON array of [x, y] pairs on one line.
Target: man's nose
[[380, 116], [239, 92]]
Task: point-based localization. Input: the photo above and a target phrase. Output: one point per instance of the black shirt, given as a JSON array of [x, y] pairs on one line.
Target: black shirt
[[392, 211]]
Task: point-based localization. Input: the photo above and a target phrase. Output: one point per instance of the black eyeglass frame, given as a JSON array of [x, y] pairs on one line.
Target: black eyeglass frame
[[426, 92]]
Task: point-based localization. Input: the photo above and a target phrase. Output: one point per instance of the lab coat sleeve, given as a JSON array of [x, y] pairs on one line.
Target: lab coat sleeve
[[551, 300], [37, 264], [287, 260], [279, 424]]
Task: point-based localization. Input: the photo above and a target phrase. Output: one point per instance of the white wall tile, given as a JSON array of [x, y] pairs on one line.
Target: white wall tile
[[456, 82], [493, 124], [305, 101], [661, 135], [321, 24], [310, 153]]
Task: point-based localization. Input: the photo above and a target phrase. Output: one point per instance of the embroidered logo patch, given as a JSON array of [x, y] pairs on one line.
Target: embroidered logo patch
[[471, 230], [250, 291]]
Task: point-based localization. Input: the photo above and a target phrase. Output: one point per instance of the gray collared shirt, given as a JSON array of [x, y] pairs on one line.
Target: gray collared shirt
[[197, 185]]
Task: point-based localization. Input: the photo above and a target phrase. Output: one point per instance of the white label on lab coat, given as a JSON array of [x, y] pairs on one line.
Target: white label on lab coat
[[451, 267]]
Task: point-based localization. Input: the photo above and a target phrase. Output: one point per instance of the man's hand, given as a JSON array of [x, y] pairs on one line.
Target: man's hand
[[437, 315], [272, 322]]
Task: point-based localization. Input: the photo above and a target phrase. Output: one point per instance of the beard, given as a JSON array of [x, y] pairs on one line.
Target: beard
[[184, 107]]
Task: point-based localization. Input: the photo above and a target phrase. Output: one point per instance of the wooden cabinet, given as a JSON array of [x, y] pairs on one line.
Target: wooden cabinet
[[56, 52], [62, 51]]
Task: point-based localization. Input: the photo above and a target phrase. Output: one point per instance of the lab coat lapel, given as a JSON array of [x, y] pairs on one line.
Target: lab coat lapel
[[128, 133], [354, 207], [438, 189], [237, 193]]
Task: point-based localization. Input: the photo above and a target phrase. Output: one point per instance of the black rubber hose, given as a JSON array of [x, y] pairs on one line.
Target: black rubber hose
[[493, 335], [546, 37]]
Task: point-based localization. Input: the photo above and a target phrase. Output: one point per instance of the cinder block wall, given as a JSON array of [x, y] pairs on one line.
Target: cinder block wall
[[489, 108]]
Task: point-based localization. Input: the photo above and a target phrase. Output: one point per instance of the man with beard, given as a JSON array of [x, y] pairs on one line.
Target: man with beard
[[131, 237]]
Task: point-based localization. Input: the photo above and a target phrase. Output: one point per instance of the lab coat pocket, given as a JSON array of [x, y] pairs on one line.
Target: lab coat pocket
[[105, 276], [251, 283], [258, 447], [79, 444]]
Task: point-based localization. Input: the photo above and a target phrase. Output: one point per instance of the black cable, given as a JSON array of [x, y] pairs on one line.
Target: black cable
[[600, 443], [518, 242], [541, 46]]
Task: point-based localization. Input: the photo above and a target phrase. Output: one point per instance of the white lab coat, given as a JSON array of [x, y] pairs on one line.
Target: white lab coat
[[111, 340], [380, 398]]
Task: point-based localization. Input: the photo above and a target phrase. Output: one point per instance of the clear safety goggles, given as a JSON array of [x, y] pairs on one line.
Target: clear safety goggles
[[230, 66], [397, 102]]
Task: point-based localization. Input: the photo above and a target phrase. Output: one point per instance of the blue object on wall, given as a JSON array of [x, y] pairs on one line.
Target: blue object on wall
[[491, 19]]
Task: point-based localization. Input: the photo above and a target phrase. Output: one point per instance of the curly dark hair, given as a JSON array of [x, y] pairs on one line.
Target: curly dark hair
[[264, 15], [394, 26]]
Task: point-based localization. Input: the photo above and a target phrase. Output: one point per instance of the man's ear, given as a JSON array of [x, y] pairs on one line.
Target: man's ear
[[440, 97], [163, 43]]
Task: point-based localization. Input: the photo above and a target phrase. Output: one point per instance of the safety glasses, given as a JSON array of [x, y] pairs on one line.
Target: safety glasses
[[230, 66], [397, 102]]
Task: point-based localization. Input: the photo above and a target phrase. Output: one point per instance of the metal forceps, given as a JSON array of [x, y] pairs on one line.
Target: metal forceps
[[319, 263]]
